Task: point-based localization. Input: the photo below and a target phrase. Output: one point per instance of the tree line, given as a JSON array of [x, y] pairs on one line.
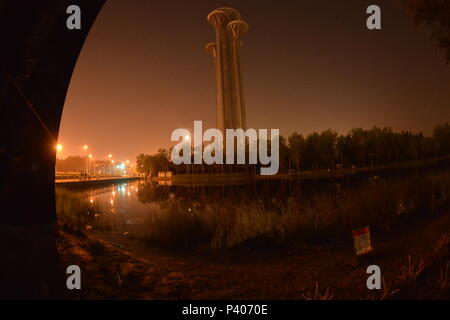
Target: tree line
[[325, 150]]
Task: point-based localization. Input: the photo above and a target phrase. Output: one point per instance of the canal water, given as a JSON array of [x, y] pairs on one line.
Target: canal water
[[136, 208]]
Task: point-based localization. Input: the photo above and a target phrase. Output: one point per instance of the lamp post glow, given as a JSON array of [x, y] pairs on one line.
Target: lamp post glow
[[110, 156], [58, 148], [89, 161], [85, 147]]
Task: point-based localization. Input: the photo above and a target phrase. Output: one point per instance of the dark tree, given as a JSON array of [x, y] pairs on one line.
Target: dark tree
[[436, 15], [441, 134]]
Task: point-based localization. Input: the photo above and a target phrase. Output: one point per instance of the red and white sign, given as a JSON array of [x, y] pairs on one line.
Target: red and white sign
[[361, 240]]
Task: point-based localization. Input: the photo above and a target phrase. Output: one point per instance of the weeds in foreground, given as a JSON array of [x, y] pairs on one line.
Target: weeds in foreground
[[440, 254], [411, 271], [443, 281], [387, 290], [316, 294], [441, 246], [75, 214]]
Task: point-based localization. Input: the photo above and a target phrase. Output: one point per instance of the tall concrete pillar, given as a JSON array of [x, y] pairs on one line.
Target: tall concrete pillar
[[236, 28], [230, 109]]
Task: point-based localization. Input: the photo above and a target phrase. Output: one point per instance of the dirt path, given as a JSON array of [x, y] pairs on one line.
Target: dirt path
[[115, 266]]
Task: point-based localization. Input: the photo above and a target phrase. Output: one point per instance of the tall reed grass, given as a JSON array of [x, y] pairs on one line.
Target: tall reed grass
[[380, 204], [76, 214], [188, 225]]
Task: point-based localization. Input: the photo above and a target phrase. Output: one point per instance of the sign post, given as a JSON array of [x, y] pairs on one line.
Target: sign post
[[361, 241]]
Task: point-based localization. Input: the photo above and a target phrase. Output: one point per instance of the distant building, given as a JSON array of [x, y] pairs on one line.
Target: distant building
[[164, 174]]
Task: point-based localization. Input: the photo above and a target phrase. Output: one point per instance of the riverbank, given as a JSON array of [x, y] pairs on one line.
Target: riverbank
[[232, 178], [413, 261], [295, 245], [82, 184]]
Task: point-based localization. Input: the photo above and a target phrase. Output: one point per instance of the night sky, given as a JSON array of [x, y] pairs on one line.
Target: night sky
[[307, 66]]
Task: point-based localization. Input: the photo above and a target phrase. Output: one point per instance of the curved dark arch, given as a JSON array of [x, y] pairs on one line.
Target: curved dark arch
[[37, 57]]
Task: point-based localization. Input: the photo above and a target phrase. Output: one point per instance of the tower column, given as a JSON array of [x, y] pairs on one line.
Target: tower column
[[230, 110], [217, 18], [235, 29]]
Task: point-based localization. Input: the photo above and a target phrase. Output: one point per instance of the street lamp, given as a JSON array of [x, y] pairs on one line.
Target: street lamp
[[110, 156], [59, 148], [187, 138], [89, 161], [85, 147]]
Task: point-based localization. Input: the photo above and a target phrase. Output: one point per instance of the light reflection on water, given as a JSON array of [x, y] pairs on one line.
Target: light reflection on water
[[121, 208], [165, 210]]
